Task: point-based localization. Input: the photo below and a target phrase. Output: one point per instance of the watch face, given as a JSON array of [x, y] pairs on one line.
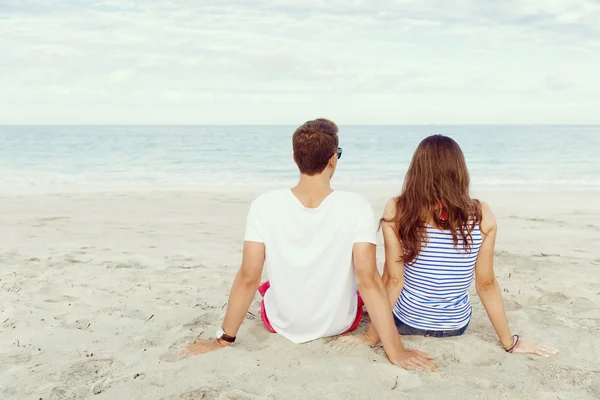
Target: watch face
[[220, 333]]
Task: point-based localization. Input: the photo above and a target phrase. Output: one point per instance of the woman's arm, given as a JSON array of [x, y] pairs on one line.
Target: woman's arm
[[489, 291], [486, 284], [393, 270]]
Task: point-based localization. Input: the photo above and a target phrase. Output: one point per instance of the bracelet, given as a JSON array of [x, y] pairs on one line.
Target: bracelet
[[510, 345], [513, 345]]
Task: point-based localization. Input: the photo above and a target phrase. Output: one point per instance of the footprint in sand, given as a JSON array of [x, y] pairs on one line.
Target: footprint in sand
[[37, 223], [259, 334], [67, 393], [202, 393], [214, 394], [88, 370], [237, 394], [81, 324], [487, 362], [585, 379], [512, 305], [206, 319], [51, 219], [123, 265], [161, 378], [174, 352], [482, 383], [85, 378], [19, 358], [79, 392]]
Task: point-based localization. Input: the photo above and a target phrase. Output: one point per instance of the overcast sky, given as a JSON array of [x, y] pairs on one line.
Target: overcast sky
[[285, 61]]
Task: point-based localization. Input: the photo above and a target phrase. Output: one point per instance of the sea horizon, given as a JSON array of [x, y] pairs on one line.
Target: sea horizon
[[56, 158], [296, 124]]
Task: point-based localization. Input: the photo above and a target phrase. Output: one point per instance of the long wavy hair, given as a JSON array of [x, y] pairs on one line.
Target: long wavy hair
[[436, 187]]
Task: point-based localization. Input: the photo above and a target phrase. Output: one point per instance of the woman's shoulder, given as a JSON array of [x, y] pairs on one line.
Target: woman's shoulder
[[389, 212], [485, 208], [488, 220]]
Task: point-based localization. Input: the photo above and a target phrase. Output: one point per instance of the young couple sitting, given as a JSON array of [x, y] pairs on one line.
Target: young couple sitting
[[319, 249]]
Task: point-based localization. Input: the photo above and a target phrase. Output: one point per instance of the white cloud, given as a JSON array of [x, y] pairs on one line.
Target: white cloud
[[58, 90], [121, 75], [258, 61]]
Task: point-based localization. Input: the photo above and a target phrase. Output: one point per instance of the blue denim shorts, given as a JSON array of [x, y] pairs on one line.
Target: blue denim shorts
[[404, 329]]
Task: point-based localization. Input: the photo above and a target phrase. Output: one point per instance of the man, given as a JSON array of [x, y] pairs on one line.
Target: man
[[317, 244]]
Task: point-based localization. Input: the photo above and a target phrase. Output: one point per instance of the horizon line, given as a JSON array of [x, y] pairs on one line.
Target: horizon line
[[296, 124]]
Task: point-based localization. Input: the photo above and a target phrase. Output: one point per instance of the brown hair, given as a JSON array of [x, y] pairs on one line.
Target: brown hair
[[315, 142], [436, 185]]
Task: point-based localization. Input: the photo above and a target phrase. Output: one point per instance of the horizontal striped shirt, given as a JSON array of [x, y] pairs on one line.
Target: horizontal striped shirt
[[435, 295]]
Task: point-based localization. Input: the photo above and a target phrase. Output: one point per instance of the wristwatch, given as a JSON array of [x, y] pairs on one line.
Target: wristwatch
[[221, 335]]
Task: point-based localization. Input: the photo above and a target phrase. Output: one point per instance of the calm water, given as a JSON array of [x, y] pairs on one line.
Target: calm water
[[117, 157]]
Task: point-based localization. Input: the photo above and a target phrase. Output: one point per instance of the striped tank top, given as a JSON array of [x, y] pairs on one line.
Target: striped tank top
[[435, 295]]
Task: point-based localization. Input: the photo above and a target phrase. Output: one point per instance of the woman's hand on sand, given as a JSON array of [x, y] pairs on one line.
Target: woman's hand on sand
[[204, 346], [527, 347], [414, 360]]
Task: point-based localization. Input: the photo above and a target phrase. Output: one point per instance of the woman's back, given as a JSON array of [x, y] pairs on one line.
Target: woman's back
[[438, 239], [435, 295]]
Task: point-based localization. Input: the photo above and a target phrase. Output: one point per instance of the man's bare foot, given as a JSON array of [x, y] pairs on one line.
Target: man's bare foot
[[358, 339]]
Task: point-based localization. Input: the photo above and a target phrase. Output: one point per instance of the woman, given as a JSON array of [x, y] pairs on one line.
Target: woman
[[437, 238]]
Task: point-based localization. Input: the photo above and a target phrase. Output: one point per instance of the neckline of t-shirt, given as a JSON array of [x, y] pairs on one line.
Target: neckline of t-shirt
[[299, 203]]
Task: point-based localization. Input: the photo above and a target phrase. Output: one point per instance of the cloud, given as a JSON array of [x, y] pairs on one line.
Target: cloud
[[258, 61], [121, 75], [58, 90]]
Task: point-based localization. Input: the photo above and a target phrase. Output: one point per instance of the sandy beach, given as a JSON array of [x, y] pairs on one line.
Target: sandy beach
[[100, 292]]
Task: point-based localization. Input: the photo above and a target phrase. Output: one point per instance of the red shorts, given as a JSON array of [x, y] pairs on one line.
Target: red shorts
[[262, 289]]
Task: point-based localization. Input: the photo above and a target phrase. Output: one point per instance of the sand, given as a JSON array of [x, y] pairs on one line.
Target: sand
[[100, 291]]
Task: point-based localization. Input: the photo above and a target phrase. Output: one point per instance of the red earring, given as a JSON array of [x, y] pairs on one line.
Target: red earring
[[443, 211]]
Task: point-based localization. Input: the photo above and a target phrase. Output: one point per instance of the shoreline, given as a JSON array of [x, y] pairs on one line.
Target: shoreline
[[263, 187]]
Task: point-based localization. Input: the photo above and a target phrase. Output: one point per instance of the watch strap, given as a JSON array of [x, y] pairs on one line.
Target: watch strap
[[226, 338]]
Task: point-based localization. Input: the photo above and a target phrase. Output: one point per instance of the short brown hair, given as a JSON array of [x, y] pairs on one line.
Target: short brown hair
[[315, 142]]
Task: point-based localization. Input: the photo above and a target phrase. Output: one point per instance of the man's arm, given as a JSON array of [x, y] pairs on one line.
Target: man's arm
[[376, 300], [393, 270], [244, 287], [242, 293]]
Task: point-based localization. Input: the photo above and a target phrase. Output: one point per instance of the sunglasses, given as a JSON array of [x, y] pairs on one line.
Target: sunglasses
[[339, 152]]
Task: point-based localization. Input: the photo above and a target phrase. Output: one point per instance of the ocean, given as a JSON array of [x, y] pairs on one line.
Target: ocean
[[72, 158]]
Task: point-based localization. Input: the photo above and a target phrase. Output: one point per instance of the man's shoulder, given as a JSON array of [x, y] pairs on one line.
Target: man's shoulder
[[268, 198], [345, 200], [353, 203], [353, 199]]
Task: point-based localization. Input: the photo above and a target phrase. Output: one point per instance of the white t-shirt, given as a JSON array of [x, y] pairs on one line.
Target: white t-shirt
[[309, 260]]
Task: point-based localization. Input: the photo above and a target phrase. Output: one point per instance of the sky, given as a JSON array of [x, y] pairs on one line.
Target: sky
[[287, 61]]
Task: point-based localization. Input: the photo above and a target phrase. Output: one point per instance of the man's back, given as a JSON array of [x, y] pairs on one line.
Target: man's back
[[309, 260], [313, 249]]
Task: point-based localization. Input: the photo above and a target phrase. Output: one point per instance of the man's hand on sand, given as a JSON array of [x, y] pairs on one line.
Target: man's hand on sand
[[414, 360], [204, 346], [407, 359]]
